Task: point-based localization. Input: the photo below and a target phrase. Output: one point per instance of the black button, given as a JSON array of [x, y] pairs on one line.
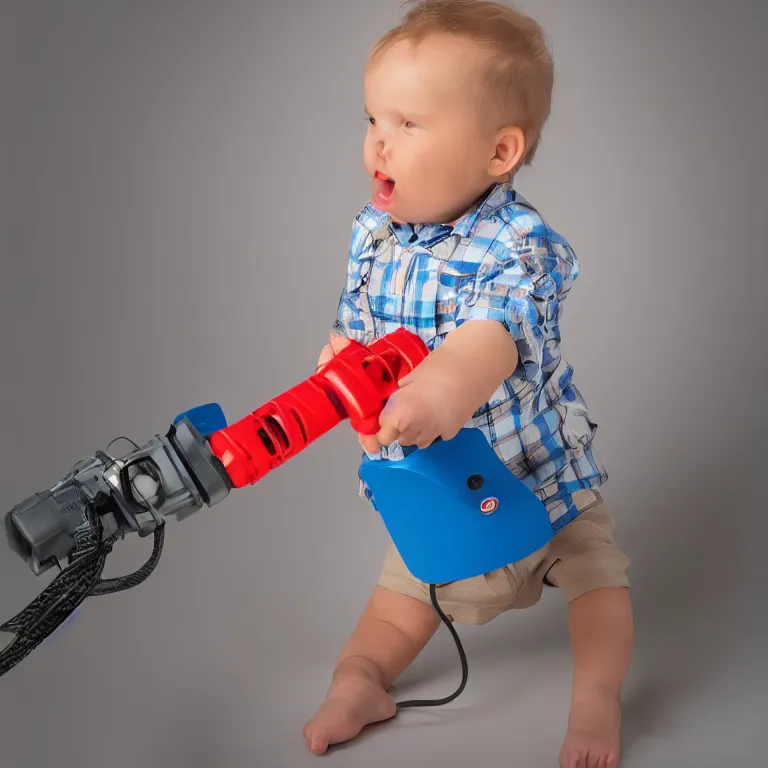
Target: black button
[[475, 482]]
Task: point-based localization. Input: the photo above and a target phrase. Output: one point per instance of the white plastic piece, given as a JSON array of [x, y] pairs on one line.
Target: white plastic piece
[[145, 486]]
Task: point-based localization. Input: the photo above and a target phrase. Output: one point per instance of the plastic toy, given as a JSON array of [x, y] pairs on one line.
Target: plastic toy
[[453, 510]]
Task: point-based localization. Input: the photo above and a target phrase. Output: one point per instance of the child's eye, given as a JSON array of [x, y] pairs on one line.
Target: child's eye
[[409, 124], [369, 119]]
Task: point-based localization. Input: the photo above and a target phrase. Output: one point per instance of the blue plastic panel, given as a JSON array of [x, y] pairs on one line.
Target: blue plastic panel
[[206, 419], [444, 527]]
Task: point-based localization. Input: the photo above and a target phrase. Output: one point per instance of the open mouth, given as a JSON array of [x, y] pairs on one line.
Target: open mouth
[[384, 186]]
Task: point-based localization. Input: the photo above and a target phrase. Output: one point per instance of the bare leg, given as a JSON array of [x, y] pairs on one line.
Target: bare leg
[[391, 632], [601, 628]]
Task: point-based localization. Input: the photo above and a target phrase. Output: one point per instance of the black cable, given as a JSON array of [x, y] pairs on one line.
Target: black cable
[[462, 657], [121, 437]]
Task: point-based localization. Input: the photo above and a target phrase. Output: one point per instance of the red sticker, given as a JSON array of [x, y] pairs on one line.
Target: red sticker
[[489, 505]]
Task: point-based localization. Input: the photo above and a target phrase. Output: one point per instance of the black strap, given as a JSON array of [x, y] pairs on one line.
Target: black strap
[[82, 578]]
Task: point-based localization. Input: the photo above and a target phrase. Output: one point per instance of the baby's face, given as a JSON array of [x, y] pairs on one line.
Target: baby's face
[[424, 133]]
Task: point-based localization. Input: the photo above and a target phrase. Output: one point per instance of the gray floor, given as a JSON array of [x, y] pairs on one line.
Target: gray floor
[[212, 674]]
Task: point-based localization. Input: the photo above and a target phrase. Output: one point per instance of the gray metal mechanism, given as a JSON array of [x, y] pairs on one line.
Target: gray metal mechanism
[[182, 472]]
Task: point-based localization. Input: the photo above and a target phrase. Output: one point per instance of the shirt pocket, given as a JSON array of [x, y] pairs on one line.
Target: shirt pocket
[[454, 279], [402, 291], [420, 277], [382, 289]]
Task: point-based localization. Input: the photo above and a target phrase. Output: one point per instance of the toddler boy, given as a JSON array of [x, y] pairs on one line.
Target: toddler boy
[[456, 97]]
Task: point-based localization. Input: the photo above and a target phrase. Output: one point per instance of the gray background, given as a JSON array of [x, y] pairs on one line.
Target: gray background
[[152, 260]]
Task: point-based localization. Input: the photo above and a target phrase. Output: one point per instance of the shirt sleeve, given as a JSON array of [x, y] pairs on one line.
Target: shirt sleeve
[[520, 282], [351, 319]]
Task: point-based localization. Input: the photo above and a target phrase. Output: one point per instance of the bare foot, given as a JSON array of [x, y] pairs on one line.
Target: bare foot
[[350, 705], [593, 737]]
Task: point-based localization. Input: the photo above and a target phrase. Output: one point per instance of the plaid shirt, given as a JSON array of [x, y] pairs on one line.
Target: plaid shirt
[[500, 261]]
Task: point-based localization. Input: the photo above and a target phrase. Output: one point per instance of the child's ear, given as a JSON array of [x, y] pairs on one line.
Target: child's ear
[[508, 151]]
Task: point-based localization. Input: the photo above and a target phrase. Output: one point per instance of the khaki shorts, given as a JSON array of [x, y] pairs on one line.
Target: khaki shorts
[[581, 557]]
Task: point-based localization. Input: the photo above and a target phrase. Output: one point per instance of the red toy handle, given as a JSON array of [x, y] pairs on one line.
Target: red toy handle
[[355, 383]]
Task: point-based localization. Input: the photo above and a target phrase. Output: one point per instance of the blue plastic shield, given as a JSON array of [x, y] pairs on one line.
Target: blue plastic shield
[[454, 511]]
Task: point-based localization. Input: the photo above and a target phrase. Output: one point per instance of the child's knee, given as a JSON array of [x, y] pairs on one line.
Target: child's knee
[[410, 617]]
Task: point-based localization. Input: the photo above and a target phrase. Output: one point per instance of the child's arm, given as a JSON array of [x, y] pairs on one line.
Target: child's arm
[[443, 391]]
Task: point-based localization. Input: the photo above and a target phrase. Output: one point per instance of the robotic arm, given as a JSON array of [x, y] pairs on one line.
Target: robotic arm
[[74, 524]]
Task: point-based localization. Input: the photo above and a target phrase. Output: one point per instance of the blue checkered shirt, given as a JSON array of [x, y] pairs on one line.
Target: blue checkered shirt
[[500, 261]]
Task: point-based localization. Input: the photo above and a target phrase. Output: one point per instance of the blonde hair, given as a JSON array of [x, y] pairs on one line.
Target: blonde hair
[[518, 77]]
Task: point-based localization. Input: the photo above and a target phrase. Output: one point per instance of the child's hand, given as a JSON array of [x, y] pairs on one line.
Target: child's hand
[[413, 416], [440, 395], [337, 343], [325, 355]]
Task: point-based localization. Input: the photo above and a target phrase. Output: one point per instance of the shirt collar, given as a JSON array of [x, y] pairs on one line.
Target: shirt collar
[[427, 235]]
